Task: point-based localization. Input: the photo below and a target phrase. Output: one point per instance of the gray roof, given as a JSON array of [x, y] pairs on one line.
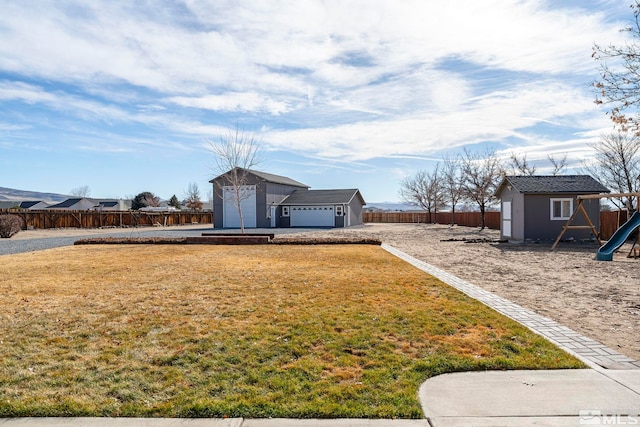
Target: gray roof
[[322, 197], [29, 204], [269, 177], [68, 203], [544, 184]]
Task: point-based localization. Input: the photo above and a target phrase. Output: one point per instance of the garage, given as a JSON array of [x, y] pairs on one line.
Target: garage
[[312, 216], [231, 218]]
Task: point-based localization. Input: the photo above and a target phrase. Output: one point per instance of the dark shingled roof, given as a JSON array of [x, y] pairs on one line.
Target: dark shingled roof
[[322, 197], [576, 184], [269, 177], [66, 204]]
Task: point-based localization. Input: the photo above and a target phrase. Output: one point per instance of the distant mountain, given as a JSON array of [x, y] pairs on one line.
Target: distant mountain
[[392, 206], [11, 194]]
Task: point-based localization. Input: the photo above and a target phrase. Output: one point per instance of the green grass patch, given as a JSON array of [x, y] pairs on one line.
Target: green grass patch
[[254, 331]]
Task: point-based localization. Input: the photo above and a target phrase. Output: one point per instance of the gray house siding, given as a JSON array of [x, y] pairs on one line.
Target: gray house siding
[[355, 211], [268, 194], [218, 209], [275, 193]]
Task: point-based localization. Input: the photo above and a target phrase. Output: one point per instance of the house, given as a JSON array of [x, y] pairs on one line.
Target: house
[[536, 208], [74, 204], [270, 201], [111, 204], [31, 205], [34, 205], [321, 208]]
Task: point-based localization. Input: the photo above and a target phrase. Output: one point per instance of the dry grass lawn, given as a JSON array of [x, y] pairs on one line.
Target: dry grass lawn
[[254, 331]]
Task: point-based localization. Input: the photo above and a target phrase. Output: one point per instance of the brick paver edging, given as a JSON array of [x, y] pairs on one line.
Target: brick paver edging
[[593, 353]]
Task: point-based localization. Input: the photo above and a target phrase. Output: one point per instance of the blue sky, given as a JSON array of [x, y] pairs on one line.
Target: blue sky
[[124, 96]]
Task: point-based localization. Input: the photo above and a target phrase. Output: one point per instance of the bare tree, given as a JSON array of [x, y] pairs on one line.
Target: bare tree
[[619, 84], [81, 191], [424, 190], [520, 165], [193, 197], [452, 183], [482, 174], [236, 154], [617, 164], [559, 165]]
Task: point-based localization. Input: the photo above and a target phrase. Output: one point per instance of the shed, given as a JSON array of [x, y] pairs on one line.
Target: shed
[[268, 201], [536, 208]]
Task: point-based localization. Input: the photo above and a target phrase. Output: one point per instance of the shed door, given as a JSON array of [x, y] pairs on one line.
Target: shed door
[[231, 217], [312, 216], [506, 219]]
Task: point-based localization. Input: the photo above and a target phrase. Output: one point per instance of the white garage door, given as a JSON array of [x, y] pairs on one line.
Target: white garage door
[[312, 216], [231, 217]]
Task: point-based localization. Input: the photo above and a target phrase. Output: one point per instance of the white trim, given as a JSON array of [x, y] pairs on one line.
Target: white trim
[[565, 211]]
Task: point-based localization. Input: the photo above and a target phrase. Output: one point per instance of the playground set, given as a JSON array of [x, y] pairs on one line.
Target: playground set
[[621, 235]]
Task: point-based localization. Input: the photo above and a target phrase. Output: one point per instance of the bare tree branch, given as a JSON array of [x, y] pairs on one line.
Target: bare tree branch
[[617, 164], [559, 165], [236, 153], [619, 84], [520, 165], [452, 183], [424, 190], [481, 176]]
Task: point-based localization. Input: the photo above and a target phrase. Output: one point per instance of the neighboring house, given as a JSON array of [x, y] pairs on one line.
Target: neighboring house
[[74, 204], [31, 205], [9, 204], [536, 208], [34, 205], [111, 204], [270, 201]]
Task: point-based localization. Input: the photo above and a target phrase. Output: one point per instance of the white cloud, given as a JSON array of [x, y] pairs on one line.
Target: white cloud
[[234, 102], [329, 80]]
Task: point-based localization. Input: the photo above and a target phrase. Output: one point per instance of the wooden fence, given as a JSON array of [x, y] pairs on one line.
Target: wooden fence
[[51, 218], [468, 219], [609, 221]]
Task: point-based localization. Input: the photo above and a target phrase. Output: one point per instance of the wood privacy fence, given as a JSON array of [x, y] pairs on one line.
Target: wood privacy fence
[[51, 218], [609, 221], [467, 219]]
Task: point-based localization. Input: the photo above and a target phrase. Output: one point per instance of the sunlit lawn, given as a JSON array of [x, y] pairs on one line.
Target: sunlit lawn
[[251, 331]]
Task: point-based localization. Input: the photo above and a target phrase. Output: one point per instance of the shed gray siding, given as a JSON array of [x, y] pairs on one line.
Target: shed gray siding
[[531, 202], [517, 214], [539, 225]]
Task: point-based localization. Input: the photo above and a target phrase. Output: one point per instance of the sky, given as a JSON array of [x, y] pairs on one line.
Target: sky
[[128, 96]]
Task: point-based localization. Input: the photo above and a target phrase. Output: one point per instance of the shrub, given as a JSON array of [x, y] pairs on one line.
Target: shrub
[[10, 225]]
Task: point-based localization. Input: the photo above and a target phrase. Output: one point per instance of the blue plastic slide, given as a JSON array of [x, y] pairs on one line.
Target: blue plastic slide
[[605, 253]]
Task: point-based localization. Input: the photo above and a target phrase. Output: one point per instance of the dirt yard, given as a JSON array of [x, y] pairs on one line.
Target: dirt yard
[[599, 299]]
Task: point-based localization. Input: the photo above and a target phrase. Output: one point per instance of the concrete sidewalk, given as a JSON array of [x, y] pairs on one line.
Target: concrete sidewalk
[[526, 398]]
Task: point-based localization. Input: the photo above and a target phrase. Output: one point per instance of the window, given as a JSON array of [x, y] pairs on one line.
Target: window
[[561, 209], [285, 211], [338, 210]]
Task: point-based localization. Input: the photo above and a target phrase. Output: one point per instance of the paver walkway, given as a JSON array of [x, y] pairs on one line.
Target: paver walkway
[[592, 353]]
